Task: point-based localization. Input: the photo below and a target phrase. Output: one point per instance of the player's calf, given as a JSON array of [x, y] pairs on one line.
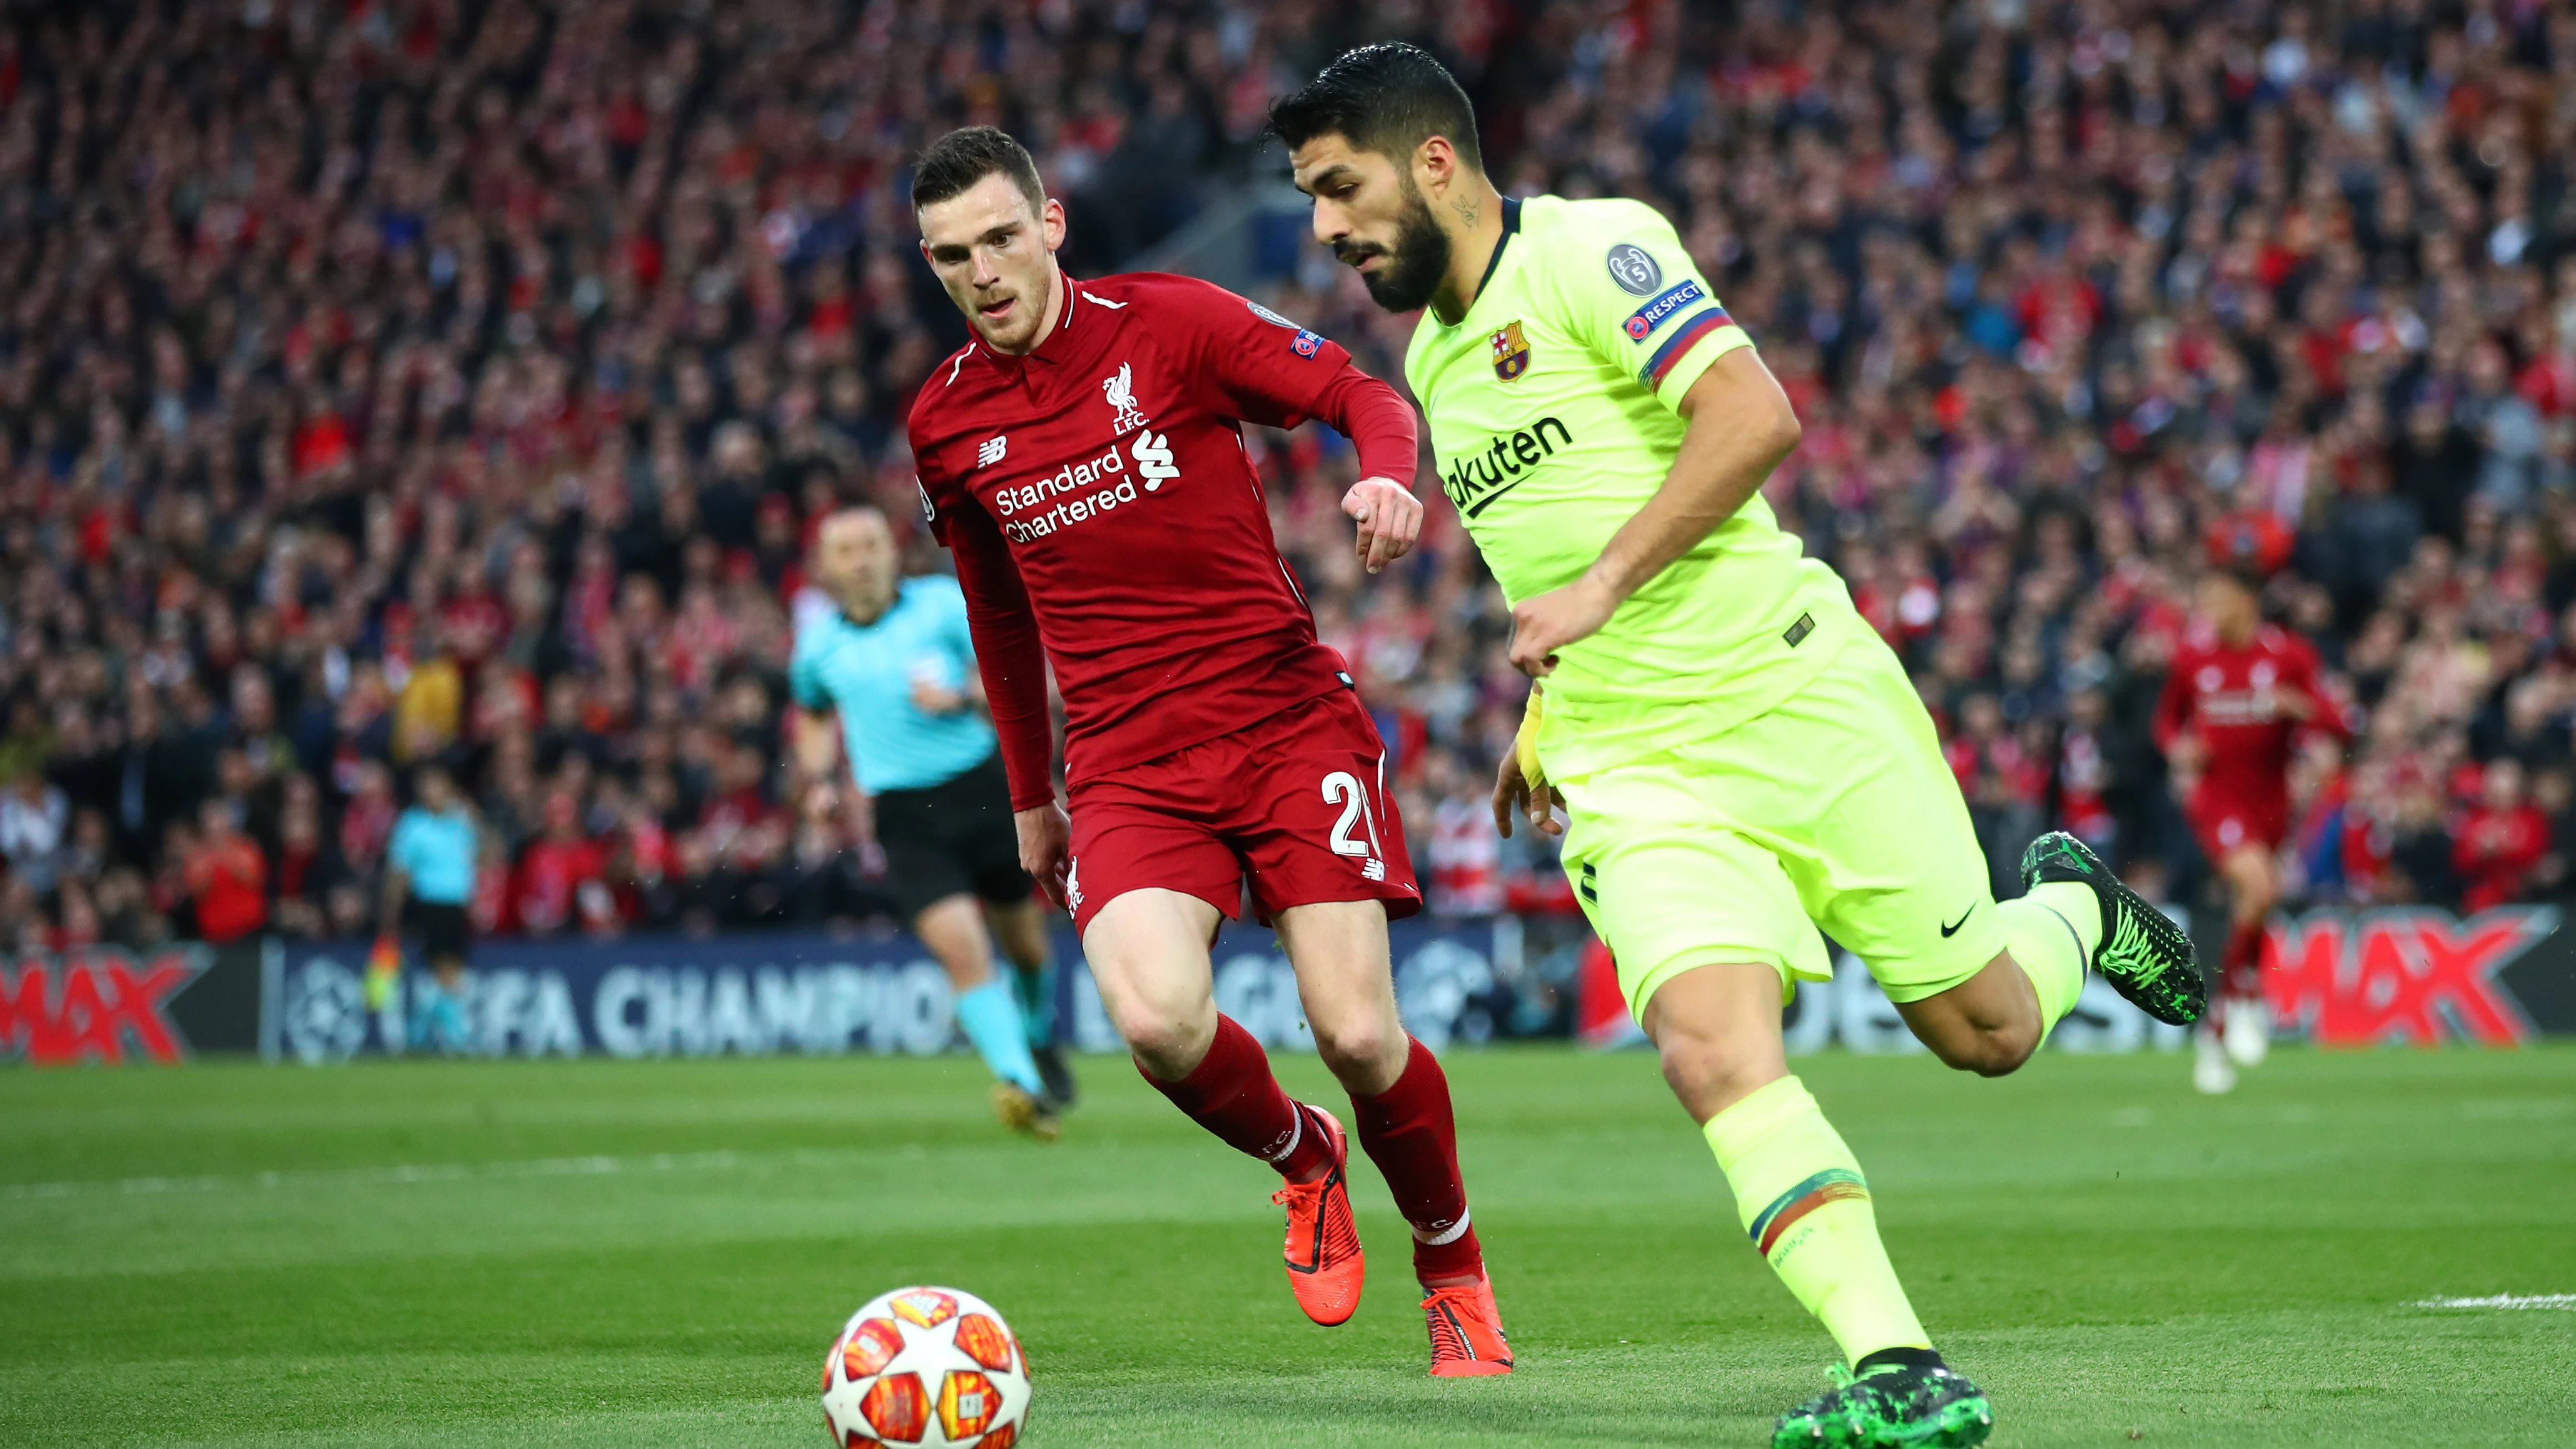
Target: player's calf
[[1988, 1024]]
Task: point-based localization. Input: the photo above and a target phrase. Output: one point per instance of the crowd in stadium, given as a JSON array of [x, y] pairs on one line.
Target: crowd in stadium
[[435, 379]]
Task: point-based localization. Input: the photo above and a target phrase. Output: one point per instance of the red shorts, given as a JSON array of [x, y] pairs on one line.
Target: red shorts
[[1296, 804], [2225, 825]]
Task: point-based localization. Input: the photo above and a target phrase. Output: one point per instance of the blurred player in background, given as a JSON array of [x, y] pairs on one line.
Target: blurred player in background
[[1741, 756], [1083, 458], [895, 659], [429, 866], [2236, 696]]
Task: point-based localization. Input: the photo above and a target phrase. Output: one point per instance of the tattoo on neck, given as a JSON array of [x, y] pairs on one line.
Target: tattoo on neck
[[1466, 211]]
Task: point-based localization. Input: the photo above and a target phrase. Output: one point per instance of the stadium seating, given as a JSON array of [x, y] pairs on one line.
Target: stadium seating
[[406, 379]]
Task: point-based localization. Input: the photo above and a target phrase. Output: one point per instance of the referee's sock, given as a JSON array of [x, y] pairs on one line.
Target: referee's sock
[[1037, 1000], [991, 1016]]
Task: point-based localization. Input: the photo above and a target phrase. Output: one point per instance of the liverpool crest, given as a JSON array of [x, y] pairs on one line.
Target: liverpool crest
[[1119, 390], [1511, 352]]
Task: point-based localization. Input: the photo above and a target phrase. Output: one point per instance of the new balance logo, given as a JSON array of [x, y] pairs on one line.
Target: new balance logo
[[1374, 869], [1154, 459], [992, 450]]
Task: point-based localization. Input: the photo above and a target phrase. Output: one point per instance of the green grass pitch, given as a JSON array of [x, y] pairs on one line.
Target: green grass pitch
[[590, 1253]]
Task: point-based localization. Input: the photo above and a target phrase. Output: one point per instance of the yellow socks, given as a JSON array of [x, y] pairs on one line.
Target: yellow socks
[[2052, 933], [1799, 1193]]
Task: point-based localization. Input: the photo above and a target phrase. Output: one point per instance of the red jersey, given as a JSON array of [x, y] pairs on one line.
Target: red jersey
[[1099, 502], [547, 892], [2231, 699], [2494, 851]]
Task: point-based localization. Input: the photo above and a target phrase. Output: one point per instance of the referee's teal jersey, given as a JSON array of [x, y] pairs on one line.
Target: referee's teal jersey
[[868, 671]]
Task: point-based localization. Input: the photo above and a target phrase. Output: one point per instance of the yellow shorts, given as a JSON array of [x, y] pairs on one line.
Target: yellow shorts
[[1834, 809]]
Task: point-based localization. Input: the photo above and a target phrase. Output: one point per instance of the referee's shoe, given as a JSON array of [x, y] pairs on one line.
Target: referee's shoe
[[1027, 1113]]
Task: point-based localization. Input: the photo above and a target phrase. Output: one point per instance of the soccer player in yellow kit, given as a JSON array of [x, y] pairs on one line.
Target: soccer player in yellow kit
[[1741, 758]]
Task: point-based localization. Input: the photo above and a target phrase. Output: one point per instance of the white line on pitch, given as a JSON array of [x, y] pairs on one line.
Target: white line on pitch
[[2566, 1301]]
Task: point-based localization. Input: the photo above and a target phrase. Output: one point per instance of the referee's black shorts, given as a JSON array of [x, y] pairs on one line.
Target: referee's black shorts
[[953, 838], [444, 931]]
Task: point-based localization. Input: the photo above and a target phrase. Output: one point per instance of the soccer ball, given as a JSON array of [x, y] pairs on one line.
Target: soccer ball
[[926, 1366]]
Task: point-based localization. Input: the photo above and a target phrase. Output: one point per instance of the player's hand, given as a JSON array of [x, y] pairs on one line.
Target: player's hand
[[934, 698], [822, 801], [2186, 755], [1046, 847], [1559, 617], [1514, 794], [1390, 519]]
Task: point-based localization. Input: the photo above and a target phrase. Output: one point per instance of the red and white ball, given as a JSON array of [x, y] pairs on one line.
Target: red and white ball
[[926, 1366]]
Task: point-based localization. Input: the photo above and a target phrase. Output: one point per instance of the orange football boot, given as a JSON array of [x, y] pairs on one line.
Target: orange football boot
[[1466, 1332], [1325, 1265]]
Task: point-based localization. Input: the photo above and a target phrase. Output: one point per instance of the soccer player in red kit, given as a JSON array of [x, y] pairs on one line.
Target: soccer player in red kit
[[1083, 460], [2235, 697]]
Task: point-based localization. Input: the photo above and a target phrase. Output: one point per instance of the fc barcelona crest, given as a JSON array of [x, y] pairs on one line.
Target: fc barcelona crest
[[1511, 352]]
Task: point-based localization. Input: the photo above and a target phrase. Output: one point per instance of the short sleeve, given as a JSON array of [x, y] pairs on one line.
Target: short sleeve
[[805, 675], [1250, 362], [1637, 300], [954, 632], [398, 850]]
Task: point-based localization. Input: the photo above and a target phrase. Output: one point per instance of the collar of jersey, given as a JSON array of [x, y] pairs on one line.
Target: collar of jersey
[[1054, 351], [1494, 263]]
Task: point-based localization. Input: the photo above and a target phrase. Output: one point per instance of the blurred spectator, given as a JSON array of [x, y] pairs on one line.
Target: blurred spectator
[[34, 819], [560, 882], [410, 383], [227, 877]]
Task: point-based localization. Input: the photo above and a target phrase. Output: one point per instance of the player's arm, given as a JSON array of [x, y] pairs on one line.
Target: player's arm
[[2304, 698], [2172, 731], [1379, 423], [1519, 783], [1011, 660], [818, 747], [959, 639], [1740, 427], [1277, 374], [1639, 305], [816, 744]]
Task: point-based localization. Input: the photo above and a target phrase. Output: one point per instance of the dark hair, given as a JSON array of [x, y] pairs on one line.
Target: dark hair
[[1386, 98], [956, 161]]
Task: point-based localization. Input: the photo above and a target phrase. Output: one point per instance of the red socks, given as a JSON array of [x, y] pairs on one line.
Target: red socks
[[1409, 1133], [1407, 1130], [2240, 964], [1232, 1094]]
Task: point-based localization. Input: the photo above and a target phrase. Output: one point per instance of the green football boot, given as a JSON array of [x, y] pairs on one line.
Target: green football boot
[[1890, 1406], [2144, 955]]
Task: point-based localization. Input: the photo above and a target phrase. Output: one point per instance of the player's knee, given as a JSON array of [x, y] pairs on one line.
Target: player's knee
[[1168, 1040], [1702, 1070], [1360, 1045]]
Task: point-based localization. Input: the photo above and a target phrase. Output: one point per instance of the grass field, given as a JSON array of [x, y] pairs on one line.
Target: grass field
[[589, 1253]]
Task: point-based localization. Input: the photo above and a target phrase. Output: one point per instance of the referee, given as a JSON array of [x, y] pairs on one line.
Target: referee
[[895, 659], [429, 864]]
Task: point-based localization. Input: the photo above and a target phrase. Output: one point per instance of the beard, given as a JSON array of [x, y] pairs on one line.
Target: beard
[[1416, 265]]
